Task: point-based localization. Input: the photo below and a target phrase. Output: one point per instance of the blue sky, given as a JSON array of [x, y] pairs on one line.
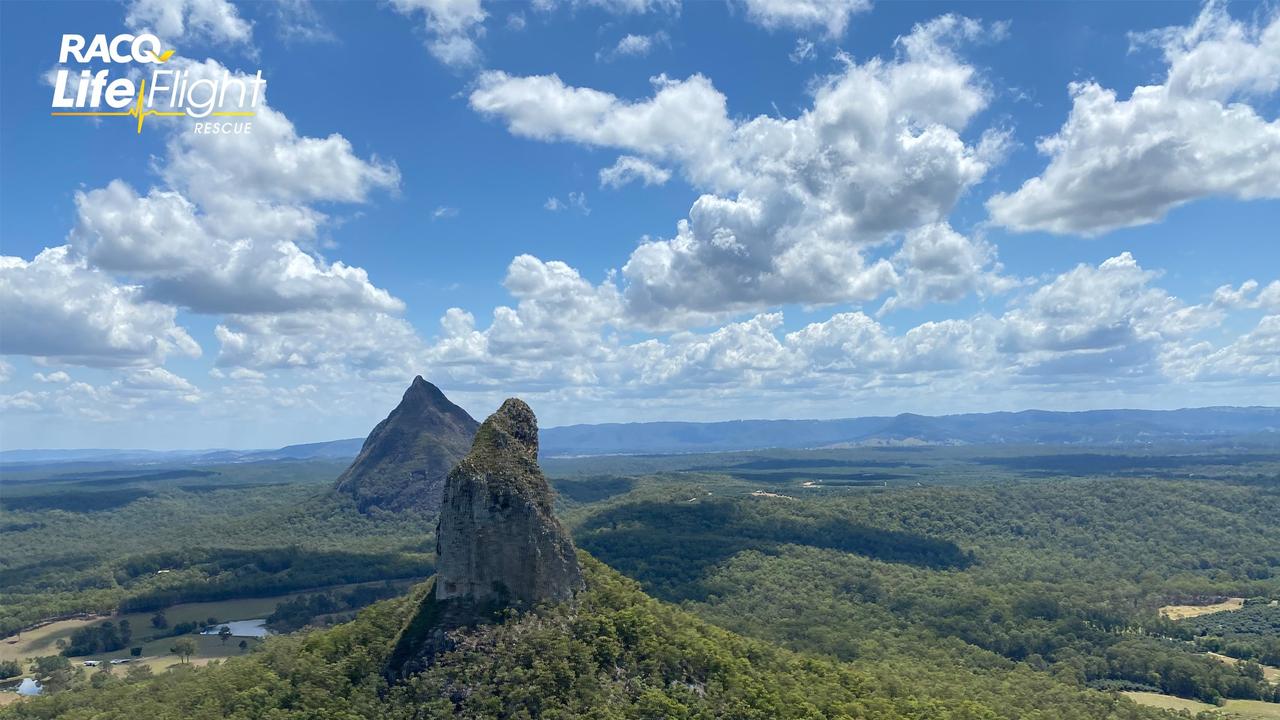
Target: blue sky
[[920, 207]]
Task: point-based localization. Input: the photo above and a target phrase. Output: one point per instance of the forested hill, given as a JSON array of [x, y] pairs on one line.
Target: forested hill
[[614, 654], [1259, 425], [1095, 427]]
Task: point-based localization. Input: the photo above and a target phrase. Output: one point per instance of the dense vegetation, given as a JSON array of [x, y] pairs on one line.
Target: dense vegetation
[[105, 637], [1252, 633], [913, 582], [614, 654], [1065, 576], [266, 530], [304, 610]]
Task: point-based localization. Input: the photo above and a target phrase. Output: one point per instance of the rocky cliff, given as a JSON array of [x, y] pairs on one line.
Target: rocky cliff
[[498, 543], [404, 461]]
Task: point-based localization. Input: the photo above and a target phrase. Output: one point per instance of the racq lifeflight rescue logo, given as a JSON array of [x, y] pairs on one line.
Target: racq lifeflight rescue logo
[[137, 85]]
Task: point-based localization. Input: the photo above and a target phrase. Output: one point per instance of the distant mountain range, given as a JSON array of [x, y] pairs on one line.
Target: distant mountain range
[[1030, 427]]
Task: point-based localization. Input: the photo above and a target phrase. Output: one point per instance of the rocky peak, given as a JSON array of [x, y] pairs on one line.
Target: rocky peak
[[497, 539], [404, 461], [498, 544]]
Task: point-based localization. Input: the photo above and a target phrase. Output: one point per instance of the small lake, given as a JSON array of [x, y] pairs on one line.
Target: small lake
[[241, 628], [29, 687]]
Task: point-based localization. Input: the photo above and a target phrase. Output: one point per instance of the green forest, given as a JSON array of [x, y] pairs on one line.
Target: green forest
[[784, 584]]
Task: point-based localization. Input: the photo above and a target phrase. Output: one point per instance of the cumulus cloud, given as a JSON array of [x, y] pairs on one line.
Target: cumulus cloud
[[56, 307], [175, 20], [452, 27], [632, 45], [195, 260], [335, 343], [938, 264], [1091, 320], [792, 205], [629, 168], [829, 15], [53, 377], [1093, 328], [1123, 162]]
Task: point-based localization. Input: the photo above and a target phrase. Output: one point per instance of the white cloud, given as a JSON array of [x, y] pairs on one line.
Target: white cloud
[[632, 45], [803, 51], [1093, 328], [829, 15], [938, 264], [793, 204], [299, 21], [629, 168], [452, 27], [334, 343], [53, 377], [137, 395], [444, 212], [1254, 355], [1108, 319], [575, 200], [6, 371], [57, 307], [1118, 163], [176, 20], [196, 261]]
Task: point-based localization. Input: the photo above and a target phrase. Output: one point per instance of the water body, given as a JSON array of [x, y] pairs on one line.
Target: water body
[[29, 687], [241, 628]]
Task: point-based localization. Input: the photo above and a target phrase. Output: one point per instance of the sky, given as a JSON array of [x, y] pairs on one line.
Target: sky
[[632, 210]]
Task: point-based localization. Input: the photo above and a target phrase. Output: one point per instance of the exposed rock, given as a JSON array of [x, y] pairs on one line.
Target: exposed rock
[[498, 543], [404, 461]]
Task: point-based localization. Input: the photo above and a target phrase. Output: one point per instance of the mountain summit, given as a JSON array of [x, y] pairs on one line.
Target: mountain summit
[[404, 461], [498, 543]]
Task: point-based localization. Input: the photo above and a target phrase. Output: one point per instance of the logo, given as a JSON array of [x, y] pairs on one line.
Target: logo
[[144, 88]]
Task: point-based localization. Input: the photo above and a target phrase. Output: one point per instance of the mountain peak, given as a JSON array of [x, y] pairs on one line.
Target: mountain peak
[[498, 543], [403, 462]]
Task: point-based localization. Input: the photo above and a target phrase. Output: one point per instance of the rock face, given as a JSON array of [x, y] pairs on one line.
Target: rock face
[[404, 461], [498, 544], [498, 540]]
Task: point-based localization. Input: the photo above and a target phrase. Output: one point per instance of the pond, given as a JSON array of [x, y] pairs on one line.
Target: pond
[[29, 687], [241, 628]]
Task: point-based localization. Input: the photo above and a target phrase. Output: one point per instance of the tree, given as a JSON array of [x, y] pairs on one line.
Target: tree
[[9, 668], [244, 645], [184, 649], [137, 673], [135, 651], [159, 621], [224, 633]]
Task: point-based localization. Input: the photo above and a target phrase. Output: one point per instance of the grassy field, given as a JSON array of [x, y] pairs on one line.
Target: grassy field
[[43, 640], [1168, 702], [1272, 674], [1231, 710], [1182, 612]]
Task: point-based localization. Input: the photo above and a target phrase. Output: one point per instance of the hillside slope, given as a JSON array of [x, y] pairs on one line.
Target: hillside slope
[[614, 653], [403, 463]]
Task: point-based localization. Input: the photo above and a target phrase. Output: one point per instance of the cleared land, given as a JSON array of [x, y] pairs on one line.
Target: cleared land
[[1272, 674], [1168, 702], [1231, 710], [43, 640], [1182, 612]]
